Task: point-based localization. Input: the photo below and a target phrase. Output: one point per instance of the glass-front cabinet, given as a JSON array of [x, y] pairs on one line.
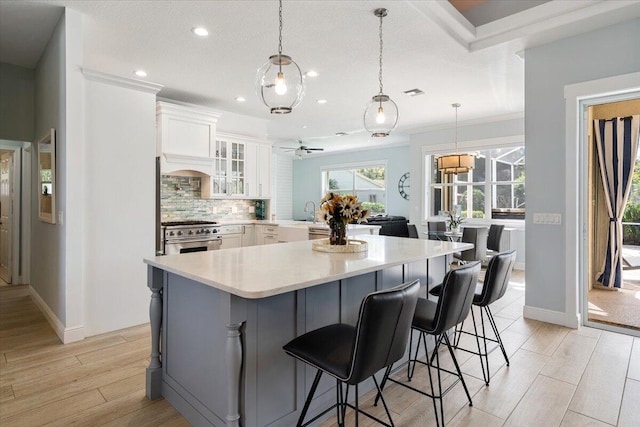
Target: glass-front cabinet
[[229, 171]]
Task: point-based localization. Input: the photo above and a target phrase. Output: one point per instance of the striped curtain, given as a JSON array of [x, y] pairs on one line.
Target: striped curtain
[[617, 143]]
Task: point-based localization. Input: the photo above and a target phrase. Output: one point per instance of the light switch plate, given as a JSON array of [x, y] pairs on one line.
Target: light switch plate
[[547, 218]]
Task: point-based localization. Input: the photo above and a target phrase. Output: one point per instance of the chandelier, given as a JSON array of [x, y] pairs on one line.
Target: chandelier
[[456, 163], [279, 81], [381, 113]]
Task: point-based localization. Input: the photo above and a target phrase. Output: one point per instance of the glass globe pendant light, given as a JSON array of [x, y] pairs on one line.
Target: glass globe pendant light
[[381, 113], [279, 81]]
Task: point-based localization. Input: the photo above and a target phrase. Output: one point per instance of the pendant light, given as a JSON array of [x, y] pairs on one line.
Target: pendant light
[[279, 81], [456, 163], [381, 113]]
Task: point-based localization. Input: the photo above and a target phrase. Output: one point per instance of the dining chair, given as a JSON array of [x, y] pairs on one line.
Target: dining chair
[[436, 230], [493, 239], [351, 354], [478, 237], [413, 231]]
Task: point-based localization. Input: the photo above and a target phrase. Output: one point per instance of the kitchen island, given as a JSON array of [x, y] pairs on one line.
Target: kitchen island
[[219, 320]]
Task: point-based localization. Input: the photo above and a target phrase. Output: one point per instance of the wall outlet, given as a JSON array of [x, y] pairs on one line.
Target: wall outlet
[[60, 218], [234, 209], [252, 209], [214, 210]]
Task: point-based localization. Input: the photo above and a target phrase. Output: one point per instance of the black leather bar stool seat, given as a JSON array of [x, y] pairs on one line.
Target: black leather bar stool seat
[[495, 284], [351, 354], [437, 318]]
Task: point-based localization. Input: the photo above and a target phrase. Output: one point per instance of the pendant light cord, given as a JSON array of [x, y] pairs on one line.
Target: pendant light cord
[[380, 72], [456, 130], [280, 30]]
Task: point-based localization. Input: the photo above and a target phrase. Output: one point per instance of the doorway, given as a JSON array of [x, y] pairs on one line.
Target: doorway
[[15, 211], [607, 307], [6, 214]]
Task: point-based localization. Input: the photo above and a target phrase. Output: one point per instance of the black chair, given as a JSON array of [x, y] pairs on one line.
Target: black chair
[[437, 319], [477, 236], [436, 230], [493, 240], [351, 354], [413, 231], [496, 282]]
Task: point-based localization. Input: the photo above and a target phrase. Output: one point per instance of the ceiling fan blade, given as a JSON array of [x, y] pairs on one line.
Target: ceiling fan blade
[[315, 149]]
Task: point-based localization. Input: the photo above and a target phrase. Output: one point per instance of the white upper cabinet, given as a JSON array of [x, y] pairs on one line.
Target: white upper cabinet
[[241, 168], [186, 138]]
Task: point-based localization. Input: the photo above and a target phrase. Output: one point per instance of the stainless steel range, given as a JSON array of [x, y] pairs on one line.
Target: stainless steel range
[[179, 237]]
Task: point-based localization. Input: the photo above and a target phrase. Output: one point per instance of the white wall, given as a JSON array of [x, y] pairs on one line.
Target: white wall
[[119, 205], [607, 52], [282, 184], [47, 241], [17, 89]]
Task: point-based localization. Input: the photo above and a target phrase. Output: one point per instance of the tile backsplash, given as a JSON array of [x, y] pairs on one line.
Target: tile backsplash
[[180, 200]]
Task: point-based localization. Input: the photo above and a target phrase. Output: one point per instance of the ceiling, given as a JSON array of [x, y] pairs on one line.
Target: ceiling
[[428, 45]]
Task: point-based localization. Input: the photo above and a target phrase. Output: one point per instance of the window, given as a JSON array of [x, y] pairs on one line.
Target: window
[[494, 189], [368, 182]]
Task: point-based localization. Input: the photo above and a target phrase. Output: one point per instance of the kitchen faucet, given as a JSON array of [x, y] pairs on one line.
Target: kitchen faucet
[[306, 209]]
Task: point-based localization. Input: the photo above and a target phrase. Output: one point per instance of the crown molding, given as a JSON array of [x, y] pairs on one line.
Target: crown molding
[[124, 82]]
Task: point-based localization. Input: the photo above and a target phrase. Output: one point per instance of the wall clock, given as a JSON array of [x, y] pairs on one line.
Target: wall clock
[[403, 185]]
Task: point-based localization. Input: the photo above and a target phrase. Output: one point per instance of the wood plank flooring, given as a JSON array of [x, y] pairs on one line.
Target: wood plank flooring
[[557, 376]]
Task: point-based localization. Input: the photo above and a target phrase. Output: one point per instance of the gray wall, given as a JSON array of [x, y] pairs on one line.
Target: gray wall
[[17, 89], [47, 240], [307, 176], [603, 53]]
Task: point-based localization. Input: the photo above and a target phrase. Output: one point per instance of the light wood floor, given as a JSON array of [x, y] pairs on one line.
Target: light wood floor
[[557, 377]]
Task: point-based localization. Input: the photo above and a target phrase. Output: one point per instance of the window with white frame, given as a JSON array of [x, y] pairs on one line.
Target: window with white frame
[[367, 181], [493, 189]]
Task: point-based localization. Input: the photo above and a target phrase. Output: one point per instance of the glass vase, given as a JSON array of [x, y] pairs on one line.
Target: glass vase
[[338, 235]]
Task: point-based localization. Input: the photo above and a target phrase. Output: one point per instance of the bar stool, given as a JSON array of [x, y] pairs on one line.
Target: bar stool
[[496, 282], [351, 354], [437, 319]]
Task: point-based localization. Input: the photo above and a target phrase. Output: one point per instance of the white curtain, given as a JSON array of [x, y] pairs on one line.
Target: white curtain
[[617, 143]]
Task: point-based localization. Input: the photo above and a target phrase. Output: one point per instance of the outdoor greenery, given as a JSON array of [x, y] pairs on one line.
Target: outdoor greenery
[[631, 233], [372, 173], [374, 207]]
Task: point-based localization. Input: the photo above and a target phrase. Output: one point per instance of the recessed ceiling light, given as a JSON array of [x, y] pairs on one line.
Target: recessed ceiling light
[[311, 73], [413, 92], [240, 98], [321, 101], [304, 126], [140, 73], [200, 31]]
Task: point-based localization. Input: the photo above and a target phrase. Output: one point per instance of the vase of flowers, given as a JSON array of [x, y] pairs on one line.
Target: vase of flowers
[[337, 211], [454, 222]]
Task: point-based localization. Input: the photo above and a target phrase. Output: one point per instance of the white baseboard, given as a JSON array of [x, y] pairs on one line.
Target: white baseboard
[[66, 335], [550, 316], [519, 266]]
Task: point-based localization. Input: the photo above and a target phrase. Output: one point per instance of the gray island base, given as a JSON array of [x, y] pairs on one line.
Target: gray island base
[[219, 320]]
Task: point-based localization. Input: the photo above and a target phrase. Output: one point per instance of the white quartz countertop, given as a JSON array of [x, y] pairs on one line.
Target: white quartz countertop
[[266, 270]]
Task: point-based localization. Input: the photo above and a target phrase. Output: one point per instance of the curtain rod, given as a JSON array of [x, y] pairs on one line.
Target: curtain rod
[[619, 118]]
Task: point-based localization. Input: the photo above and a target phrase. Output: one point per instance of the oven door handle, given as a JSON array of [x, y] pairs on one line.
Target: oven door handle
[[182, 242]]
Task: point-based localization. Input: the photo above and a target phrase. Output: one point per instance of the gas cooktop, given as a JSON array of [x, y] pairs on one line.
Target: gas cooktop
[[187, 222]]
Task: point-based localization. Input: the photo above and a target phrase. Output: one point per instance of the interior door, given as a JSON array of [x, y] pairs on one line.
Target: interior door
[[6, 218]]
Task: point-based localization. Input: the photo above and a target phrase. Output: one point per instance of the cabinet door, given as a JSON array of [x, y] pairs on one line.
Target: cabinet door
[[264, 170], [237, 168], [252, 187], [219, 179], [231, 241]]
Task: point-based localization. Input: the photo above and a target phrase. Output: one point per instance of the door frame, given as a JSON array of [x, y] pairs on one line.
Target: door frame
[[578, 98], [21, 227]]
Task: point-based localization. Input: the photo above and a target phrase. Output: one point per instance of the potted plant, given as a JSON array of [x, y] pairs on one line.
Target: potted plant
[[454, 222]]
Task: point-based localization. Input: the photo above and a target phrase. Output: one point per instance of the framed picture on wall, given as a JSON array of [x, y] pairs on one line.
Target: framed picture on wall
[[47, 177]]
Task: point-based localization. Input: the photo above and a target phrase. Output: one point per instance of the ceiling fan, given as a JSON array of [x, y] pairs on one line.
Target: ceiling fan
[[302, 149]]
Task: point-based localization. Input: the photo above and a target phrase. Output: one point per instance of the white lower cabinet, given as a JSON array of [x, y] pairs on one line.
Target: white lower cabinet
[[266, 234], [232, 236]]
